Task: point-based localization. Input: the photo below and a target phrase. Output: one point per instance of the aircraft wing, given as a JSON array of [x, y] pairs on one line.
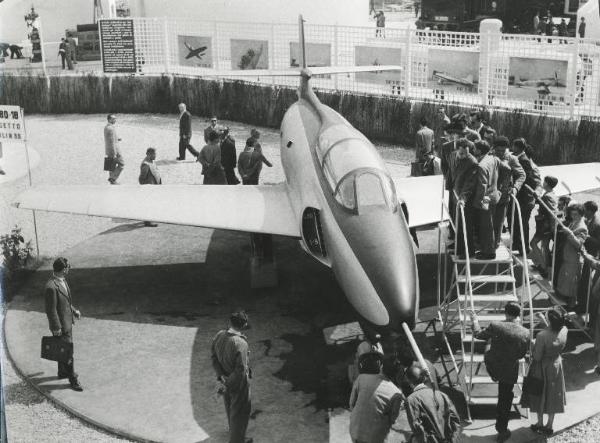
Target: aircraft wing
[[261, 209], [423, 198], [422, 195], [573, 178]]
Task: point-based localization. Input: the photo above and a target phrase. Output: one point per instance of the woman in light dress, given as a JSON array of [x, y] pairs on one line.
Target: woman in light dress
[[547, 365]]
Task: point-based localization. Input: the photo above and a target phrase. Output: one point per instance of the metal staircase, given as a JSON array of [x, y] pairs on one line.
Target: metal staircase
[[484, 287]]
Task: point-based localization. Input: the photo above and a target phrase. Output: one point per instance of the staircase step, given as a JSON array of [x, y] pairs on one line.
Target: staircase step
[[485, 317], [486, 279], [490, 298], [477, 358], [468, 337], [491, 400], [487, 380], [502, 256]]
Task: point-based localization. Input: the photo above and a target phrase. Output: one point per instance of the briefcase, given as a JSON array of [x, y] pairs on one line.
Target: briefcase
[[56, 349], [109, 164]]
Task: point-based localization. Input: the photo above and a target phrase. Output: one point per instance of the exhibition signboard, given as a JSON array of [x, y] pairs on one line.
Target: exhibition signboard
[[118, 45]]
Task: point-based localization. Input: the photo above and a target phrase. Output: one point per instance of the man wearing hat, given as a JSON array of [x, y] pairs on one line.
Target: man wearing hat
[[230, 359], [62, 314]]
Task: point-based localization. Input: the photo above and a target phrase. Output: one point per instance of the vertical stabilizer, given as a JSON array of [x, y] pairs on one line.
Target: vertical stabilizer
[[301, 42]]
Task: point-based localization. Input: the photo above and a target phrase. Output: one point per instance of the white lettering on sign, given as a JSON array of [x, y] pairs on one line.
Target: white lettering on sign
[[11, 123]]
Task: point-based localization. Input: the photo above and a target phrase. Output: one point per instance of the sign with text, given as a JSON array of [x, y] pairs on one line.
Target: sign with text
[[118, 45], [11, 124]]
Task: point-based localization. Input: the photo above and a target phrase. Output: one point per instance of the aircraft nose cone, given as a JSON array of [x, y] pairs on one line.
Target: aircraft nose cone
[[383, 246]]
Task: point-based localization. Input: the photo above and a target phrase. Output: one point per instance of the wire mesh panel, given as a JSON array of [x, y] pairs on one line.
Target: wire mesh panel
[[150, 51], [538, 74]]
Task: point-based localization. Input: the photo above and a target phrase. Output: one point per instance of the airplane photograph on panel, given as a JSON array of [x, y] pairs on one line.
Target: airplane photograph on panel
[[195, 51], [453, 71], [536, 78], [374, 56], [317, 54], [249, 54]]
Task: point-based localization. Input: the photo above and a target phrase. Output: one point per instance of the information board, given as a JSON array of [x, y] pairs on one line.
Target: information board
[[118, 45], [11, 124]]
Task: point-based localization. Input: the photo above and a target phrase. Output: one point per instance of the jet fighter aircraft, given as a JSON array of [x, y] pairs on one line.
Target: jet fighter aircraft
[[339, 200], [198, 52], [445, 78]]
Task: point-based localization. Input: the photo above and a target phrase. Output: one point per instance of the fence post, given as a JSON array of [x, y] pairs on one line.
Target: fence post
[[408, 69], [272, 53], [336, 48], [574, 86], [215, 47], [166, 43]]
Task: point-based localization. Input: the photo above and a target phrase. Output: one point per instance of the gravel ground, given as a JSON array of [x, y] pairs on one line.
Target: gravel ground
[[587, 431], [32, 418]]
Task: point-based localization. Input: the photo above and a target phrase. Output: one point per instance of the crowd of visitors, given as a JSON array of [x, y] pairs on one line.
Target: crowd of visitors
[[482, 170], [218, 157], [384, 385]]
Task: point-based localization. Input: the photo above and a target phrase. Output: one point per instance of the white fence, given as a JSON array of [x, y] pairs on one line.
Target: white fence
[[539, 74]]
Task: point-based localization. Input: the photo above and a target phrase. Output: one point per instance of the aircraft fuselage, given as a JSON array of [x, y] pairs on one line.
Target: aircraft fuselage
[[350, 216]]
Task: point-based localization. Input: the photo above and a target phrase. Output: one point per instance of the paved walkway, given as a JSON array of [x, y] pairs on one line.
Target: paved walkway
[[152, 298]]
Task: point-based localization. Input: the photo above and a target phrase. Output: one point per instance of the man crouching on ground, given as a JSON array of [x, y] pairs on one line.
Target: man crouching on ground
[[230, 359]]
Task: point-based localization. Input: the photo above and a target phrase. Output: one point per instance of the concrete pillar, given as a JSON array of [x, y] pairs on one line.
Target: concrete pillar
[[490, 37]]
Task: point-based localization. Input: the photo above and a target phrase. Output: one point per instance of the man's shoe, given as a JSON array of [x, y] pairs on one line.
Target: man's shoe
[[546, 431], [481, 256], [180, 159], [75, 385], [111, 181], [503, 436], [150, 224], [249, 440]]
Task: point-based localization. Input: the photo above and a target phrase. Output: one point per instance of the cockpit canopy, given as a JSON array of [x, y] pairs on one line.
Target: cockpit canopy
[[354, 171]]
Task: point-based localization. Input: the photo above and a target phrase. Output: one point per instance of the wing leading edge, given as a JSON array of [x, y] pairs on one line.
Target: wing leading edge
[[261, 209], [422, 195]]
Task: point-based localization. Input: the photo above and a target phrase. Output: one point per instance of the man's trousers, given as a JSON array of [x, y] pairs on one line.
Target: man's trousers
[[237, 406], [505, 399]]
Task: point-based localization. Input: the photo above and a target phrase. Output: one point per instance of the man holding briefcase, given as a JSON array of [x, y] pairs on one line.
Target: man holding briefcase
[[113, 163], [61, 315]]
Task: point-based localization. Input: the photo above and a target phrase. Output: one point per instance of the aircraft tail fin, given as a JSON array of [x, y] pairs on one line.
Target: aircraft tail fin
[[301, 41]]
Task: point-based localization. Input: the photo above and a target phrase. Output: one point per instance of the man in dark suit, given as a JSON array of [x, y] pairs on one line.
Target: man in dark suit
[[510, 182], [229, 157], [149, 175], [476, 124], [463, 167], [509, 343], [185, 132], [526, 199], [62, 314], [485, 198]]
